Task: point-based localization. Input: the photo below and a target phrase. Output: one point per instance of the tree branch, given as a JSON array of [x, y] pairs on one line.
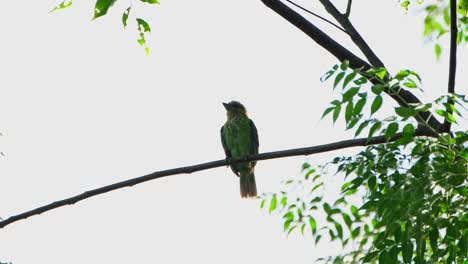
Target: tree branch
[[353, 33], [320, 17], [453, 60], [348, 8], [203, 166], [403, 98]]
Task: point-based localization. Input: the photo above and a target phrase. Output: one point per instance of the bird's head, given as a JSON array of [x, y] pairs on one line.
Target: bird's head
[[235, 108]]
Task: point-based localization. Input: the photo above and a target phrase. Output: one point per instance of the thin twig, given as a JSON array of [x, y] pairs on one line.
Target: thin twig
[[199, 167], [348, 8], [318, 16], [446, 126], [353, 33]]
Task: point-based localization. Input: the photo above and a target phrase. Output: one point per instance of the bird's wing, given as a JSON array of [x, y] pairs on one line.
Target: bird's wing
[[226, 150], [254, 136], [223, 141]]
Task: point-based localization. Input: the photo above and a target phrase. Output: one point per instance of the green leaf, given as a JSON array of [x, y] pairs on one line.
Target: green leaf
[[288, 216], [317, 239], [347, 219], [354, 121], [360, 81], [359, 106], [64, 4], [402, 74], [374, 128], [376, 104], [316, 200], [339, 230], [450, 118], [383, 257], [378, 89], [391, 130], [338, 78], [349, 78], [350, 93], [372, 183], [125, 16], [370, 256], [356, 231], [361, 127], [433, 237], [437, 50], [287, 223], [290, 230], [407, 252], [344, 65], [336, 113], [327, 111], [101, 7], [151, 1], [316, 186], [380, 73], [349, 111], [355, 211], [410, 83], [328, 74], [408, 130], [284, 201], [303, 228], [405, 4], [272, 204], [262, 203], [313, 225], [405, 112], [143, 26]]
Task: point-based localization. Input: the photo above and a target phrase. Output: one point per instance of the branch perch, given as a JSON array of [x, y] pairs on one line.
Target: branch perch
[[317, 16], [199, 167]]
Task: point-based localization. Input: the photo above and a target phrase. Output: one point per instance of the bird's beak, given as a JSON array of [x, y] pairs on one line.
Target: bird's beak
[[226, 106]]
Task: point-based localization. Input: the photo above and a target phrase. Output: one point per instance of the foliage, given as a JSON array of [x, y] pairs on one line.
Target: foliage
[[413, 189], [101, 8], [437, 20], [62, 5]]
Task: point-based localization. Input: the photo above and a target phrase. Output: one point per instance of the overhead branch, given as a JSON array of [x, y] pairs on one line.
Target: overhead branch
[[316, 15], [453, 61], [348, 8], [403, 98], [203, 166], [353, 33]]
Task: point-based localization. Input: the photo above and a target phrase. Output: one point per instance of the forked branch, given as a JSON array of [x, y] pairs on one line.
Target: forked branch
[[317, 16], [353, 33], [403, 98]]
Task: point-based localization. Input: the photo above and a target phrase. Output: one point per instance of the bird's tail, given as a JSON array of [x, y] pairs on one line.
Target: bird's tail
[[248, 188]]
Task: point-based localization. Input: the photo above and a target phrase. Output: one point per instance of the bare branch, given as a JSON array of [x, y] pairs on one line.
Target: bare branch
[[203, 166], [403, 98], [318, 16], [353, 33], [348, 8], [446, 126]]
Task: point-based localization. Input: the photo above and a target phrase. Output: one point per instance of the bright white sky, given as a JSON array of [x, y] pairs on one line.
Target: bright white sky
[[82, 106]]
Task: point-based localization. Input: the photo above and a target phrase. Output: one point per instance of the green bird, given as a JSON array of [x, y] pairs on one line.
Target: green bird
[[239, 138]]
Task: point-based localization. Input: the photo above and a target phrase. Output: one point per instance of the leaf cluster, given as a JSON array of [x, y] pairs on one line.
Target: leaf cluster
[[414, 189]]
